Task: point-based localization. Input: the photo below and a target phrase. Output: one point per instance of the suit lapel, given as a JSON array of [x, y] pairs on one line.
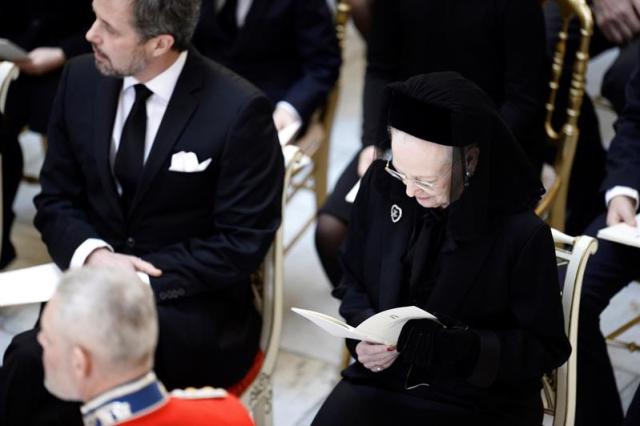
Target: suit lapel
[[106, 106], [181, 106]]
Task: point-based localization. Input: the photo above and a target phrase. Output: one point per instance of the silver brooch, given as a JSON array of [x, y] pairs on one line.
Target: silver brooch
[[396, 213]]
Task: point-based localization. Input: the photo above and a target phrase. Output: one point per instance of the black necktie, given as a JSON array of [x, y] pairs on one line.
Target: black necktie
[[130, 156], [227, 18]]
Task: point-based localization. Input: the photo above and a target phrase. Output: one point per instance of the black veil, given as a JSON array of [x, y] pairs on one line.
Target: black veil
[[447, 109]]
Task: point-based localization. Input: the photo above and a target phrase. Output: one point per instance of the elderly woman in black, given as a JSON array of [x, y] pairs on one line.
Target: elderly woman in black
[[447, 225]]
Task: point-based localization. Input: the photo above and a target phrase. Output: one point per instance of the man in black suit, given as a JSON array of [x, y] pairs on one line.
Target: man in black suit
[[52, 32], [167, 164], [611, 268], [288, 48]]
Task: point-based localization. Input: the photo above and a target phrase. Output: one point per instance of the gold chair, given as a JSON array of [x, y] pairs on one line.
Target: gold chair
[[268, 285], [314, 144], [559, 387], [553, 205], [8, 72]]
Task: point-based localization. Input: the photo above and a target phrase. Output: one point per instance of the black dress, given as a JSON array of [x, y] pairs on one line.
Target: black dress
[[497, 44], [489, 265]]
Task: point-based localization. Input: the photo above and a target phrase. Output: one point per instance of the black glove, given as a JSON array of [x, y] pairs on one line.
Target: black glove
[[437, 351]]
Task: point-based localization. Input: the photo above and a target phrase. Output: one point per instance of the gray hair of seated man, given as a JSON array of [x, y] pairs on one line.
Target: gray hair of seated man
[[111, 313], [178, 18]]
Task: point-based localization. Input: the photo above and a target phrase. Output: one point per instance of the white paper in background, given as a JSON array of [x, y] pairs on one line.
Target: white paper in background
[[11, 52], [622, 233], [353, 192], [29, 285]]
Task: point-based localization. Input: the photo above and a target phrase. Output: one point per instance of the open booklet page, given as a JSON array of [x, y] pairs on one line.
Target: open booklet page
[[383, 327], [622, 234]]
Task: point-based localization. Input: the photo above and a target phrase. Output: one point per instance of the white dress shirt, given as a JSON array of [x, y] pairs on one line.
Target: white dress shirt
[[621, 190], [162, 87], [241, 12]]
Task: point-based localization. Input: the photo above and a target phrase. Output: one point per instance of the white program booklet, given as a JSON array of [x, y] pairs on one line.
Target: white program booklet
[[383, 327], [622, 233], [11, 52]]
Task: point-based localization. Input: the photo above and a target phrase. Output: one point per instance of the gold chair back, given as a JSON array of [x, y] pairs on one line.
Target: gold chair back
[[8, 72], [559, 387], [553, 205], [268, 287]]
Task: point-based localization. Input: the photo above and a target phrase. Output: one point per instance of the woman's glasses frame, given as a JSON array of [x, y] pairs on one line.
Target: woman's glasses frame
[[420, 183]]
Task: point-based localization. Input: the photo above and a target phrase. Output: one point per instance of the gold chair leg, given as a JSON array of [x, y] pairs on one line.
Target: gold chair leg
[[346, 358], [612, 338], [321, 165]]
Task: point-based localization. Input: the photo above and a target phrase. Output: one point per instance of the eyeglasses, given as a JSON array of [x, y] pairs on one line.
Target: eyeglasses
[[427, 186]]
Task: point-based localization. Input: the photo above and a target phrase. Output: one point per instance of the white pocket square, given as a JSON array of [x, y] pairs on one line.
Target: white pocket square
[[187, 162]]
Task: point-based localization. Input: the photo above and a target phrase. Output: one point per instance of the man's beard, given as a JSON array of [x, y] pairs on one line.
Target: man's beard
[[136, 65]]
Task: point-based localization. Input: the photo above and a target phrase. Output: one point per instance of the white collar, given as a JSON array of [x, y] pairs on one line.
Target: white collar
[[163, 84]]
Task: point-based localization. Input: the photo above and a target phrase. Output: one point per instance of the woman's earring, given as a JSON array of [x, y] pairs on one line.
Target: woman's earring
[[467, 176]]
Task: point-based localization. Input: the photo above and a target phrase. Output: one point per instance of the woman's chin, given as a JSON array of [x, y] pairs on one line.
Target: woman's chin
[[428, 202]]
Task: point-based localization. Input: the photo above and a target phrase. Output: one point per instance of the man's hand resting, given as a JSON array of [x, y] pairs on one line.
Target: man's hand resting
[[103, 257], [621, 209]]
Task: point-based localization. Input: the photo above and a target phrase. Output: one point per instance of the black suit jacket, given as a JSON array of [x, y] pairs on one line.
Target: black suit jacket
[[50, 23], [206, 231], [502, 284], [288, 48], [623, 157], [497, 44]]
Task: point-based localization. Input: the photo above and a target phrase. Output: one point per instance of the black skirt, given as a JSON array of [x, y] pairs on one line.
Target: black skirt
[[360, 403]]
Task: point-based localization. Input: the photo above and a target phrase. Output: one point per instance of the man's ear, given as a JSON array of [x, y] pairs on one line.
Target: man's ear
[[81, 362], [161, 44]]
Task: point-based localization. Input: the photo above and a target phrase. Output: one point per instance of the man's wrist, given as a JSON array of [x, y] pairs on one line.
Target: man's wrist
[[84, 250]]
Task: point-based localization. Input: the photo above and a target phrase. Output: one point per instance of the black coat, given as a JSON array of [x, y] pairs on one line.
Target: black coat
[[503, 284], [50, 23], [288, 48], [36, 23], [207, 231], [497, 44]]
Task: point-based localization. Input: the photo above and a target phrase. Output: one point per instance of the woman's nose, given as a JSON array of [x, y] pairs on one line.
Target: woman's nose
[[410, 188]]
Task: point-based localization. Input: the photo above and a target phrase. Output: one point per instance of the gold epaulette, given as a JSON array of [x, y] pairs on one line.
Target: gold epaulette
[[206, 392]]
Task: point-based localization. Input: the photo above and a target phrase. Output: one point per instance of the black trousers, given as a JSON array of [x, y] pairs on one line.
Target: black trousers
[[584, 202], [192, 351], [608, 271]]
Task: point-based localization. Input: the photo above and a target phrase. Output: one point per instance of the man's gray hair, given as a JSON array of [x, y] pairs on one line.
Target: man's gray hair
[[110, 312], [178, 18]]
